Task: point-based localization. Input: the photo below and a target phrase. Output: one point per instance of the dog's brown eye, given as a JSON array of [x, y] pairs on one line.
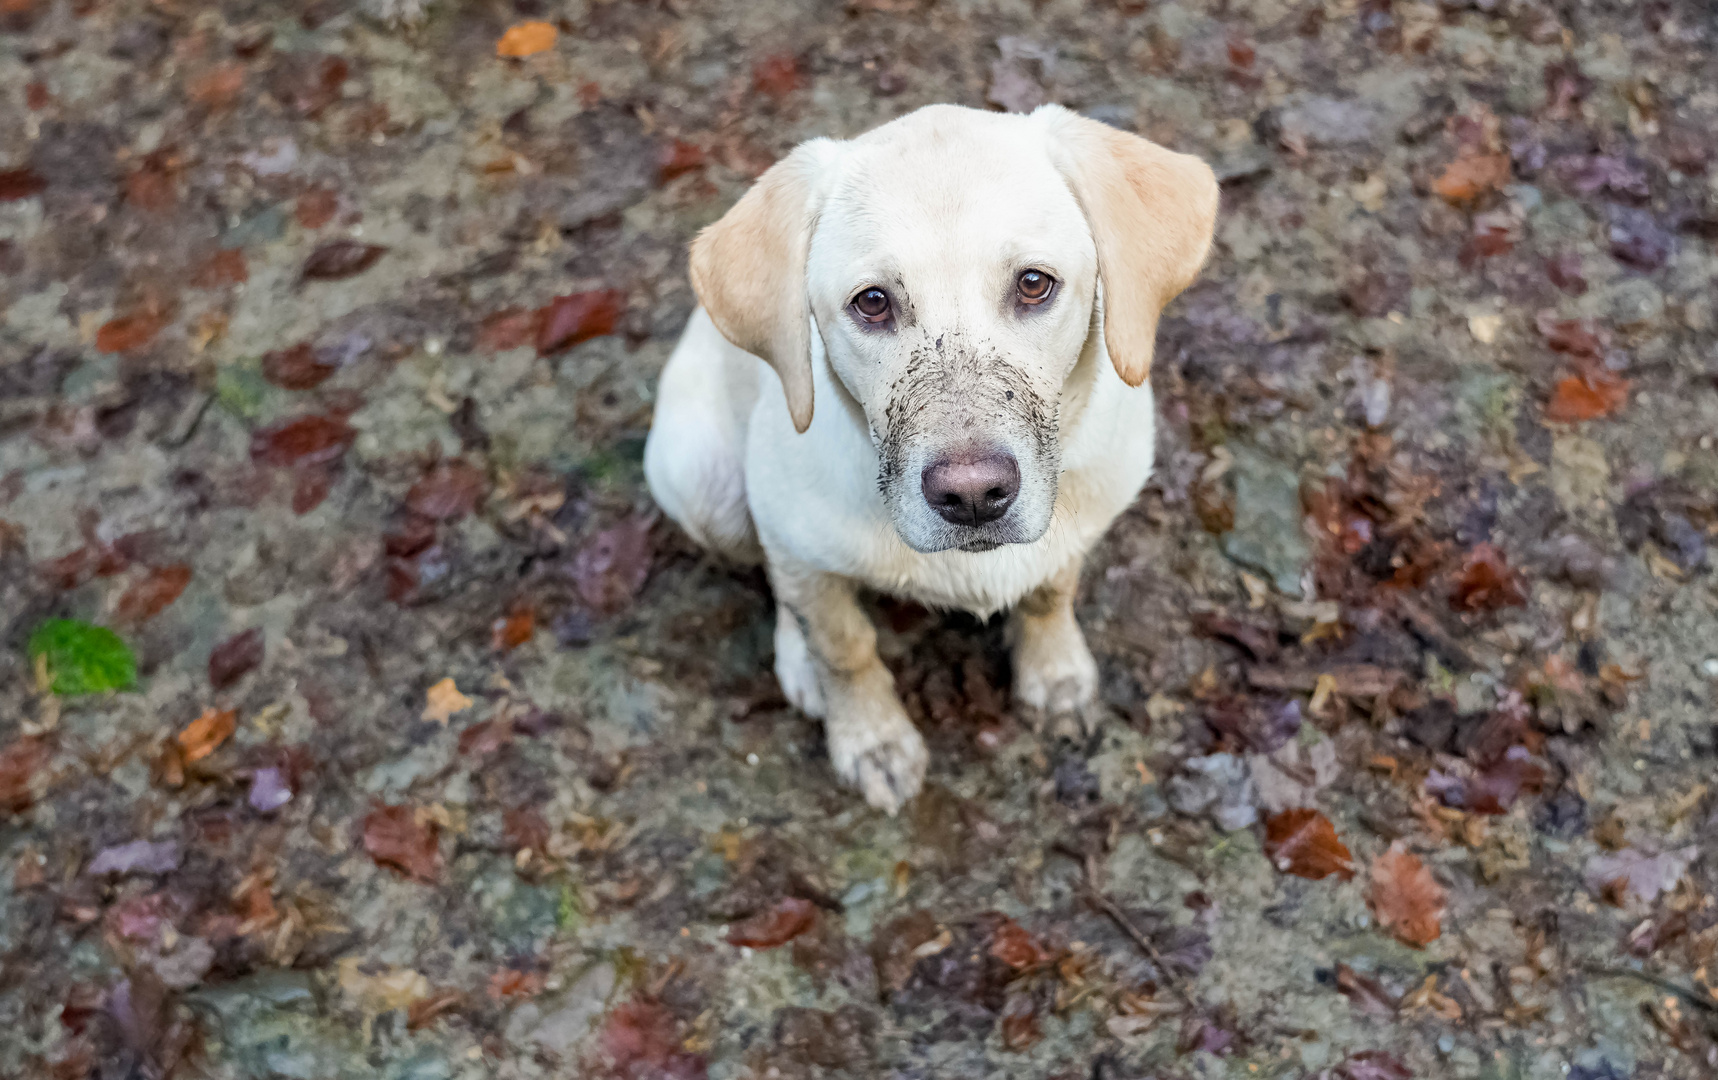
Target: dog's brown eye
[[872, 305], [1034, 286]]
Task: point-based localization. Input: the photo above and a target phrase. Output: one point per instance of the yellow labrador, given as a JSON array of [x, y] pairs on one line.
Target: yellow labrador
[[970, 300]]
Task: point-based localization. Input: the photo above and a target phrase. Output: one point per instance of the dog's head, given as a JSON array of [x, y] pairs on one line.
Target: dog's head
[[956, 265]]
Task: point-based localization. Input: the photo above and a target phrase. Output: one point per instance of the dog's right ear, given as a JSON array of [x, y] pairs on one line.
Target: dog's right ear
[[748, 270]]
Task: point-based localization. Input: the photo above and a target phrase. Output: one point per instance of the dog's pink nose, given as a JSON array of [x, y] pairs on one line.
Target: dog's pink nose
[[972, 489]]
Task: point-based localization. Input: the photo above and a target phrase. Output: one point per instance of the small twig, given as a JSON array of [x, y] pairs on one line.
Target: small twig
[[1116, 915], [1693, 997]]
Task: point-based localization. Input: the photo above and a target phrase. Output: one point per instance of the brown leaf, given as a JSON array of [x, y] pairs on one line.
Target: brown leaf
[[1374, 1065], [339, 259], [234, 657], [568, 320], [316, 207], [425, 1011], [513, 629], [202, 735], [1469, 177], [147, 598], [1019, 1023], [20, 184], [310, 486], [1405, 897], [396, 837], [19, 763], [614, 565], [778, 925], [297, 368], [129, 333], [777, 75], [525, 828], [678, 158], [1368, 995], [1018, 948], [1580, 338], [223, 268], [152, 187], [1587, 397], [218, 87], [506, 329], [1487, 582], [1304, 843], [302, 441], [450, 490], [511, 984]]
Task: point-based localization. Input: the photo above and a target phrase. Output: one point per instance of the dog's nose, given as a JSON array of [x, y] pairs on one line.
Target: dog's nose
[[971, 490]]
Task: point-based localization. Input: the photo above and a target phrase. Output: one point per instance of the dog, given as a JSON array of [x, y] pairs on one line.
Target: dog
[[919, 367]]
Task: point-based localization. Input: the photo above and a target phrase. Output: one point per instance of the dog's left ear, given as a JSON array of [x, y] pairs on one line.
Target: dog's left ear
[[1152, 213]]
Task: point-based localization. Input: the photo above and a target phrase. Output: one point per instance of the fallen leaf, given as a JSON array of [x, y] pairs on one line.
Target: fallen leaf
[[396, 836], [777, 75], [611, 568], [1567, 273], [641, 1039], [18, 184], [269, 790], [219, 87], [1304, 843], [1367, 994], [568, 320], [297, 368], [525, 829], [223, 268], [394, 988], [137, 857], [81, 658], [1484, 328], [232, 658], [1019, 1022], [511, 984], [302, 441], [20, 763], [426, 1011], [129, 333], [316, 207], [513, 629], [1015, 946], [777, 925], [149, 596], [507, 329], [1633, 875], [526, 39], [450, 490], [1587, 397], [1487, 582], [1405, 897], [1468, 177], [1580, 338], [443, 700], [339, 259], [202, 735], [1373, 1065], [311, 486], [678, 158]]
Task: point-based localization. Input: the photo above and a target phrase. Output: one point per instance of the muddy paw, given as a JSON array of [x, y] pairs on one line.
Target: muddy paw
[[1056, 681], [883, 756]]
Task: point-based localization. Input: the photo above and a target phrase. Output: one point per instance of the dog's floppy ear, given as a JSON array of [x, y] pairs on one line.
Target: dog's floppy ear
[[1151, 211], [748, 270]]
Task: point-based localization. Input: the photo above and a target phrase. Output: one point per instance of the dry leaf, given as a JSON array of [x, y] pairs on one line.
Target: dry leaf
[[1405, 897], [341, 259], [150, 596], [1486, 582], [1015, 946], [778, 925], [232, 658], [396, 836], [302, 441], [443, 700], [202, 735], [527, 39], [1587, 397], [1467, 178], [1304, 843], [450, 490]]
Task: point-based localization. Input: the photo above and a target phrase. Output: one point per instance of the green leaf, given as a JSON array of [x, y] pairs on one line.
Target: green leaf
[[83, 659]]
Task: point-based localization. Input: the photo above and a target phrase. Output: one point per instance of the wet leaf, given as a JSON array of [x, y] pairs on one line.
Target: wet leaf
[[150, 596], [1304, 843], [1373, 1065], [513, 629], [526, 39], [777, 925], [1589, 396], [201, 736], [1407, 900], [568, 320], [1017, 947], [450, 490], [1468, 177], [137, 857], [507, 329], [339, 259], [18, 184], [20, 762], [396, 836], [1487, 582], [297, 368], [128, 333], [302, 441], [611, 568], [1492, 790], [234, 657], [442, 700], [223, 268], [1634, 876], [83, 659], [1367, 994]]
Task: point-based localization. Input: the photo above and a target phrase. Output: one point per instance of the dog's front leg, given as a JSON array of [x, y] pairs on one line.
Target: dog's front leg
[[822, 634], [1054, 673]]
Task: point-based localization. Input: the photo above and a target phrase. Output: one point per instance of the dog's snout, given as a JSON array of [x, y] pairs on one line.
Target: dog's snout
[[972, 489]]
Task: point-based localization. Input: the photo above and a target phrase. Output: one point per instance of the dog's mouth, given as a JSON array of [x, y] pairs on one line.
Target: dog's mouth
[[980, 545]]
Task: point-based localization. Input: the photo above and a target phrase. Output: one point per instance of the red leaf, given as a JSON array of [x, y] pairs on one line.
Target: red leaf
[[1587, 397], [506, 329], [302, 441], [224, 267], [568, 320], [1015, 946], [1405, 897], [1487, 582], [311, 486], [19, 763], [513, 629], [511, 984], [20, 184], [148, 597], [1304, 843], [1577, 337], [789, 918], [130, 332], [777, 75], [341, 259], [413, 535], [613, 566], [394, 836], [234, 657], [297, 368], [643, 1033], [1496, 788], [450, 490], [1567, 273], [316, 207], [678, 158]]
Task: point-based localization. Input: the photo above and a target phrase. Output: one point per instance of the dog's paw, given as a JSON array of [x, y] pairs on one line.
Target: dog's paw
[[1055, 675], [794, 669], [880, 753]]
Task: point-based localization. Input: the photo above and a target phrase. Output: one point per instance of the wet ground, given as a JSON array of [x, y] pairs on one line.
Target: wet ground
[[326, 360]]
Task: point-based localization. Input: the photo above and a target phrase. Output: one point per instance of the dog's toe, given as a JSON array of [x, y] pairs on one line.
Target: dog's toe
[[886, 762], [795, 671]]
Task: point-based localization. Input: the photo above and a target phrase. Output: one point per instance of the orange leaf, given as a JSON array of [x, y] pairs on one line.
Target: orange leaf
[[778, 925], [1015, 946], [1467, 178], [1587, 397], [513, 629], [526, 39], [1486, 581], [208, 731], [1304, 843], [219, 87], [1405, 897]]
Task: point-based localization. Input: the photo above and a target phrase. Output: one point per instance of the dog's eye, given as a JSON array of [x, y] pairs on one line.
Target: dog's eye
[[872, 305], [1034, 286]]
